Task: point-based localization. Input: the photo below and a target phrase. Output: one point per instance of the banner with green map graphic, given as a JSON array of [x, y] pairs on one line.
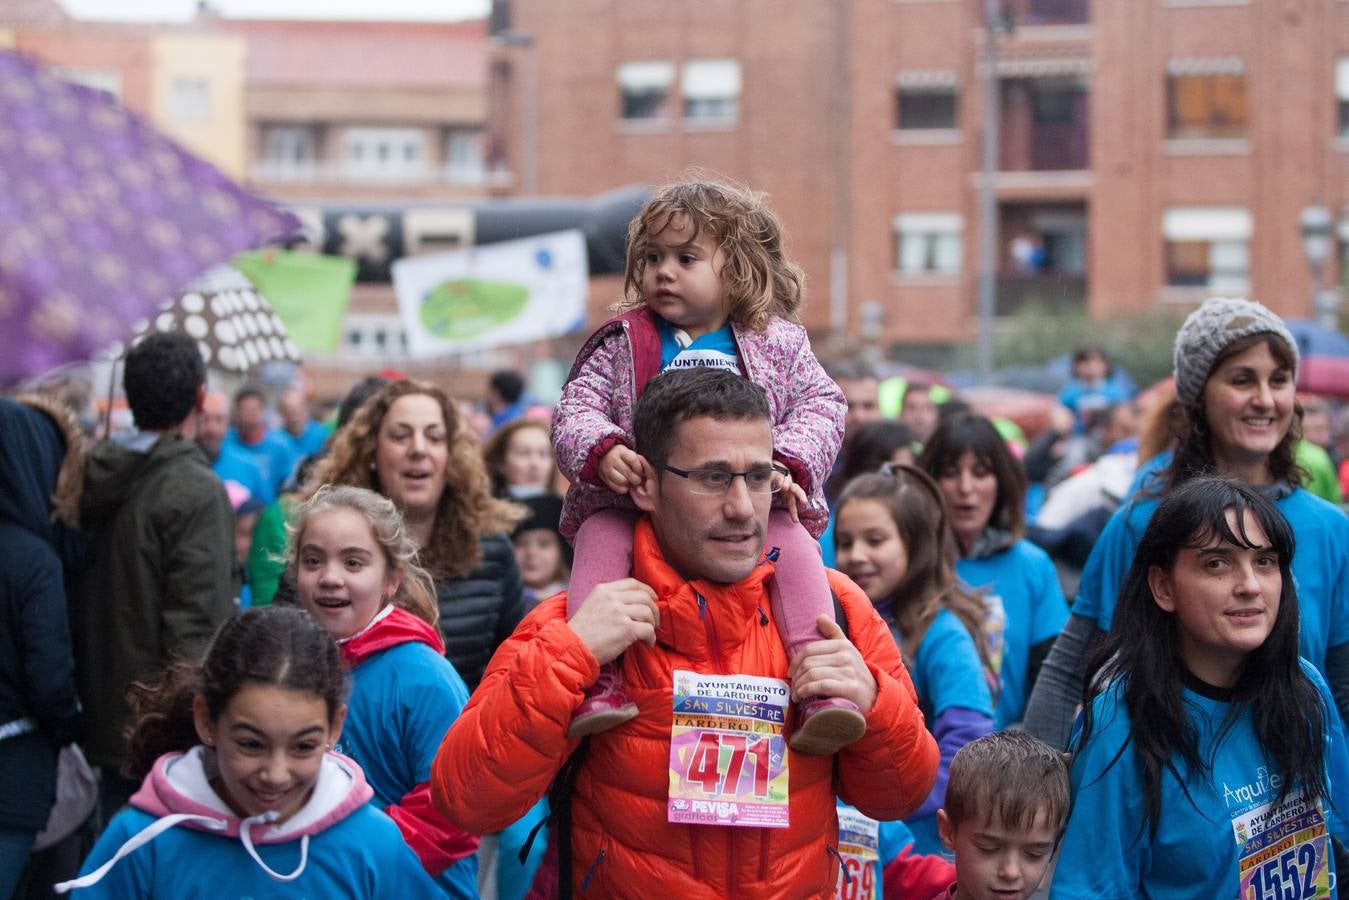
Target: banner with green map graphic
[[494, 294]]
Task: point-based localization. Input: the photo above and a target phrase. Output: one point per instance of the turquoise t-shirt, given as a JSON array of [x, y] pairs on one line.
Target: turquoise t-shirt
[[716, 348], [361, 856], [1320, 568], [947, 673], [402, 701], [1021, 588], [1216, 836]]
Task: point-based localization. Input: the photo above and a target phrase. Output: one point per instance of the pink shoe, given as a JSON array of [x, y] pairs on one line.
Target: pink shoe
[[605, 705], [827, 724]]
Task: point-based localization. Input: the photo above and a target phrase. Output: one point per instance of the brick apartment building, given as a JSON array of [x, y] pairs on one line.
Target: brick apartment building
[[1152, 152]]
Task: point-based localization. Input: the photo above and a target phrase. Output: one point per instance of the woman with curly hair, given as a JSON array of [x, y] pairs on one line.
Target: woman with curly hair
[[409, 443]]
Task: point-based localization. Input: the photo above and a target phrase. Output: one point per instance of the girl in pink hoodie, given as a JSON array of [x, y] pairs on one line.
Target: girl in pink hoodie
[[237, 750]]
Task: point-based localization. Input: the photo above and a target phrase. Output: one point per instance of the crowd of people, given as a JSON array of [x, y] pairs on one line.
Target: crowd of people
[[724, 622]]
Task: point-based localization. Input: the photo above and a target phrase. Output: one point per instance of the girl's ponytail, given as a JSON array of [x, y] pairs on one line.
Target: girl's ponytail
[[162, 718]]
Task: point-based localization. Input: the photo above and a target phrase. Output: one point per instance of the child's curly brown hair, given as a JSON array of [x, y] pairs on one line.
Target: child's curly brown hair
[[758, 281]]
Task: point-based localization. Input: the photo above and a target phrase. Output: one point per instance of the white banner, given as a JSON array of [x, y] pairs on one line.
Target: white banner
[[491, 295]]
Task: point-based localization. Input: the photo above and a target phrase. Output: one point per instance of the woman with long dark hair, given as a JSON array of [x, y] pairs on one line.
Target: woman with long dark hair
[[1210, 754], [1235, 414], [985, 491], [892, 539]]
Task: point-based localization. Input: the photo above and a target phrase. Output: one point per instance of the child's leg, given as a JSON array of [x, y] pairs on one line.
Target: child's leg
[[800, 593], [799, 577], [603, 554]]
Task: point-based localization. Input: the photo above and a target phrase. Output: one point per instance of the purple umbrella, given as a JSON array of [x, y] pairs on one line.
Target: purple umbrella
[[101, 218]]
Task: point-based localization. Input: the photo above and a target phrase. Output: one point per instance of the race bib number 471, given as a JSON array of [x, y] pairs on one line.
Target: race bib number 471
[[1282, 852], [728, 757]]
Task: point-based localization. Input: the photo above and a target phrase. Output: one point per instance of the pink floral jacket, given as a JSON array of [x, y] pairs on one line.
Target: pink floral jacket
[[595, 413]]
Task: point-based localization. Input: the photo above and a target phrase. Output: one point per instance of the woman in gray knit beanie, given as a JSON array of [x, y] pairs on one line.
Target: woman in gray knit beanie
[[1235, 414], [1236, 364]]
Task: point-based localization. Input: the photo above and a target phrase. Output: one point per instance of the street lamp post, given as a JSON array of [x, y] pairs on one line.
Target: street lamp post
[[1317, 229], [988, 199]]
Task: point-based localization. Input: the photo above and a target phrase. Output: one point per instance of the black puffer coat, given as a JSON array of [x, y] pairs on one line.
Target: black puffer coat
[[38, 710], [480, 610]]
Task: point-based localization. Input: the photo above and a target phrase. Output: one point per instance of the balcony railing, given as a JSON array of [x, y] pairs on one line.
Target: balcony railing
[[1055, 292], [336, 172]]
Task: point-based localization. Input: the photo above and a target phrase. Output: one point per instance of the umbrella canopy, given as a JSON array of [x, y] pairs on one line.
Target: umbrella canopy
[[1324, 365], [232, 322], [101, 218]]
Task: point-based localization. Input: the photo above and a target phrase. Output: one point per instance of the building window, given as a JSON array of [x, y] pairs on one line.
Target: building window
[[928, 243], [1342, 95], [1206, 99], [384, 153], [190, 99], [291, 145], [711, 89], [925, 107], [644, 89], [465, 158], [1208, 247]]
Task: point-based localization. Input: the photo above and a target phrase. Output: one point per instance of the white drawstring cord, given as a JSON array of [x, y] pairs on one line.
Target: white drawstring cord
[[140, 839], [246, 836]]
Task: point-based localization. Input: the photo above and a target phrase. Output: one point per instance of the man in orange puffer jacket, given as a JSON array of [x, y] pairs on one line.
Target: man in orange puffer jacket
[[697, 604]]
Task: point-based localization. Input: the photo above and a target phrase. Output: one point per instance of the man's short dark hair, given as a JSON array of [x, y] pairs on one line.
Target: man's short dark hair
[[508, 384], [250, 390], [674, 397], [163, 375]]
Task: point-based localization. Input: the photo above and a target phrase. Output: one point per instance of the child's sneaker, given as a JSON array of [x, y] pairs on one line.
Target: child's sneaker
[[605, 705], [826, 725]]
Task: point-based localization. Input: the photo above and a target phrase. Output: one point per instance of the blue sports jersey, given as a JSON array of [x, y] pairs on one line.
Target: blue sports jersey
[[362, 856], [1216, 833], [947, 674], [1022, 577], [403, 699], [716, 349], [1320, 568]]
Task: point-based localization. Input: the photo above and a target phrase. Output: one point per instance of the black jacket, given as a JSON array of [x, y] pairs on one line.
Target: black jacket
[[480, 610], [38, 709]]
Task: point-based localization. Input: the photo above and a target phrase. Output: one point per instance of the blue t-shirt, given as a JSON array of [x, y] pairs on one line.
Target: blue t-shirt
[[273, 454], [1082, 397], [716, 348], [403, 699], [1022, 588], [310, 441], [362, 856], [1206, 825], [234, 465], [947, 673], [1320, 568]]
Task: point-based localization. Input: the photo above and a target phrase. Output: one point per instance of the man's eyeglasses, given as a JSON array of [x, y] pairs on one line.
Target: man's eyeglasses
[[763, 480]]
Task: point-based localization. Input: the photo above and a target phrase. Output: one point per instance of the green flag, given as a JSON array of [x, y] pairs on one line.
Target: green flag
[[308, 291]]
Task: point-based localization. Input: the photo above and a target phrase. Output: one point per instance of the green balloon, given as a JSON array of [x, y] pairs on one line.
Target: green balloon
[[465, 308]]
